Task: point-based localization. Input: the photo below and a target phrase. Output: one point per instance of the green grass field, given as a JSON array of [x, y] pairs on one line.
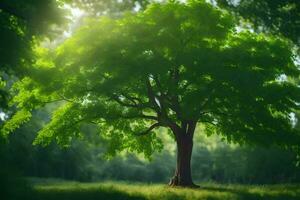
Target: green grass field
[[57, 190]]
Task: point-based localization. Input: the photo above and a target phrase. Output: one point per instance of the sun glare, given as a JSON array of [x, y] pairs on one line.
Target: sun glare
[[75, 13]]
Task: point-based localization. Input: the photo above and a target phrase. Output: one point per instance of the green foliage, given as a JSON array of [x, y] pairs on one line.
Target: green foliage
[[170, 65], [114, 8], [19, 118], [66, 113], [276, 16], [23, 24]]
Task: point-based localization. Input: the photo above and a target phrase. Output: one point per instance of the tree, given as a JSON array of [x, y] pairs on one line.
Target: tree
[[276, 16], [175, 65]]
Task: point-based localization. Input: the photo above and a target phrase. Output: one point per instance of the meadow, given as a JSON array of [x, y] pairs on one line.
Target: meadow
[[62, 190]]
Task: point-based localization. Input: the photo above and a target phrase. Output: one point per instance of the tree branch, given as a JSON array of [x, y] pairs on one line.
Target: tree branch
[[136, 101], [133, 101], [122, 103], [138, 116], [153, 126], [65, 99], [162, 114], [52, 101], [169, 100]]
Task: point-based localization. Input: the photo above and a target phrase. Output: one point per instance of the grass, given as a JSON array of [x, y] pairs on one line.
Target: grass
[[61, 190]]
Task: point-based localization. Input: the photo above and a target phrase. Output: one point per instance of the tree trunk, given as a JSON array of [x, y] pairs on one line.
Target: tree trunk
[[183, 175]]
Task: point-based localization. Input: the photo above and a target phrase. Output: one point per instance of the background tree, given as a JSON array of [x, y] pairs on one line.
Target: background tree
[[174, 65], [86, 160]]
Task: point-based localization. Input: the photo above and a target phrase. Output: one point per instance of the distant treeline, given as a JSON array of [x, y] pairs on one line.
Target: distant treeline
[[84, 160]]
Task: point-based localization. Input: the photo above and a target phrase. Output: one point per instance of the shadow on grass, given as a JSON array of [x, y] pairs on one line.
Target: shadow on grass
[[84, 194], [245, 194], [115, 191]]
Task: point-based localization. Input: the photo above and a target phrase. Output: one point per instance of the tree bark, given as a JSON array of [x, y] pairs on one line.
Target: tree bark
[[183, 175]]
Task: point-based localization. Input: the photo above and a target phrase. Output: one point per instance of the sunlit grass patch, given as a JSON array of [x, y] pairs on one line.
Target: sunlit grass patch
[[140, 191]]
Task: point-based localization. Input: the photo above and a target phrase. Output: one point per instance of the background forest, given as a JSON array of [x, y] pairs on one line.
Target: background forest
[[85, 160]]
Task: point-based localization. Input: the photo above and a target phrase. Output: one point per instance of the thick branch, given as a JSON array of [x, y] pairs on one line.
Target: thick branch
[[122, 103], [65, 99], [52, 101], [138, 116], [175, 129], [167, 99], [161, 110], [153, 126], [136, 101]]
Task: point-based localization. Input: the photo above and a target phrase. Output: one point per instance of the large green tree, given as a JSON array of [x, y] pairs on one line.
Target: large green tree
[[174, 65]]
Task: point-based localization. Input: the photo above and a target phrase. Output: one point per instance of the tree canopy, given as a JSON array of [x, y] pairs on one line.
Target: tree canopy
[[22, 25], [276, 16], [114, 8], [173, 65], [187, 63], [25, 24]]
